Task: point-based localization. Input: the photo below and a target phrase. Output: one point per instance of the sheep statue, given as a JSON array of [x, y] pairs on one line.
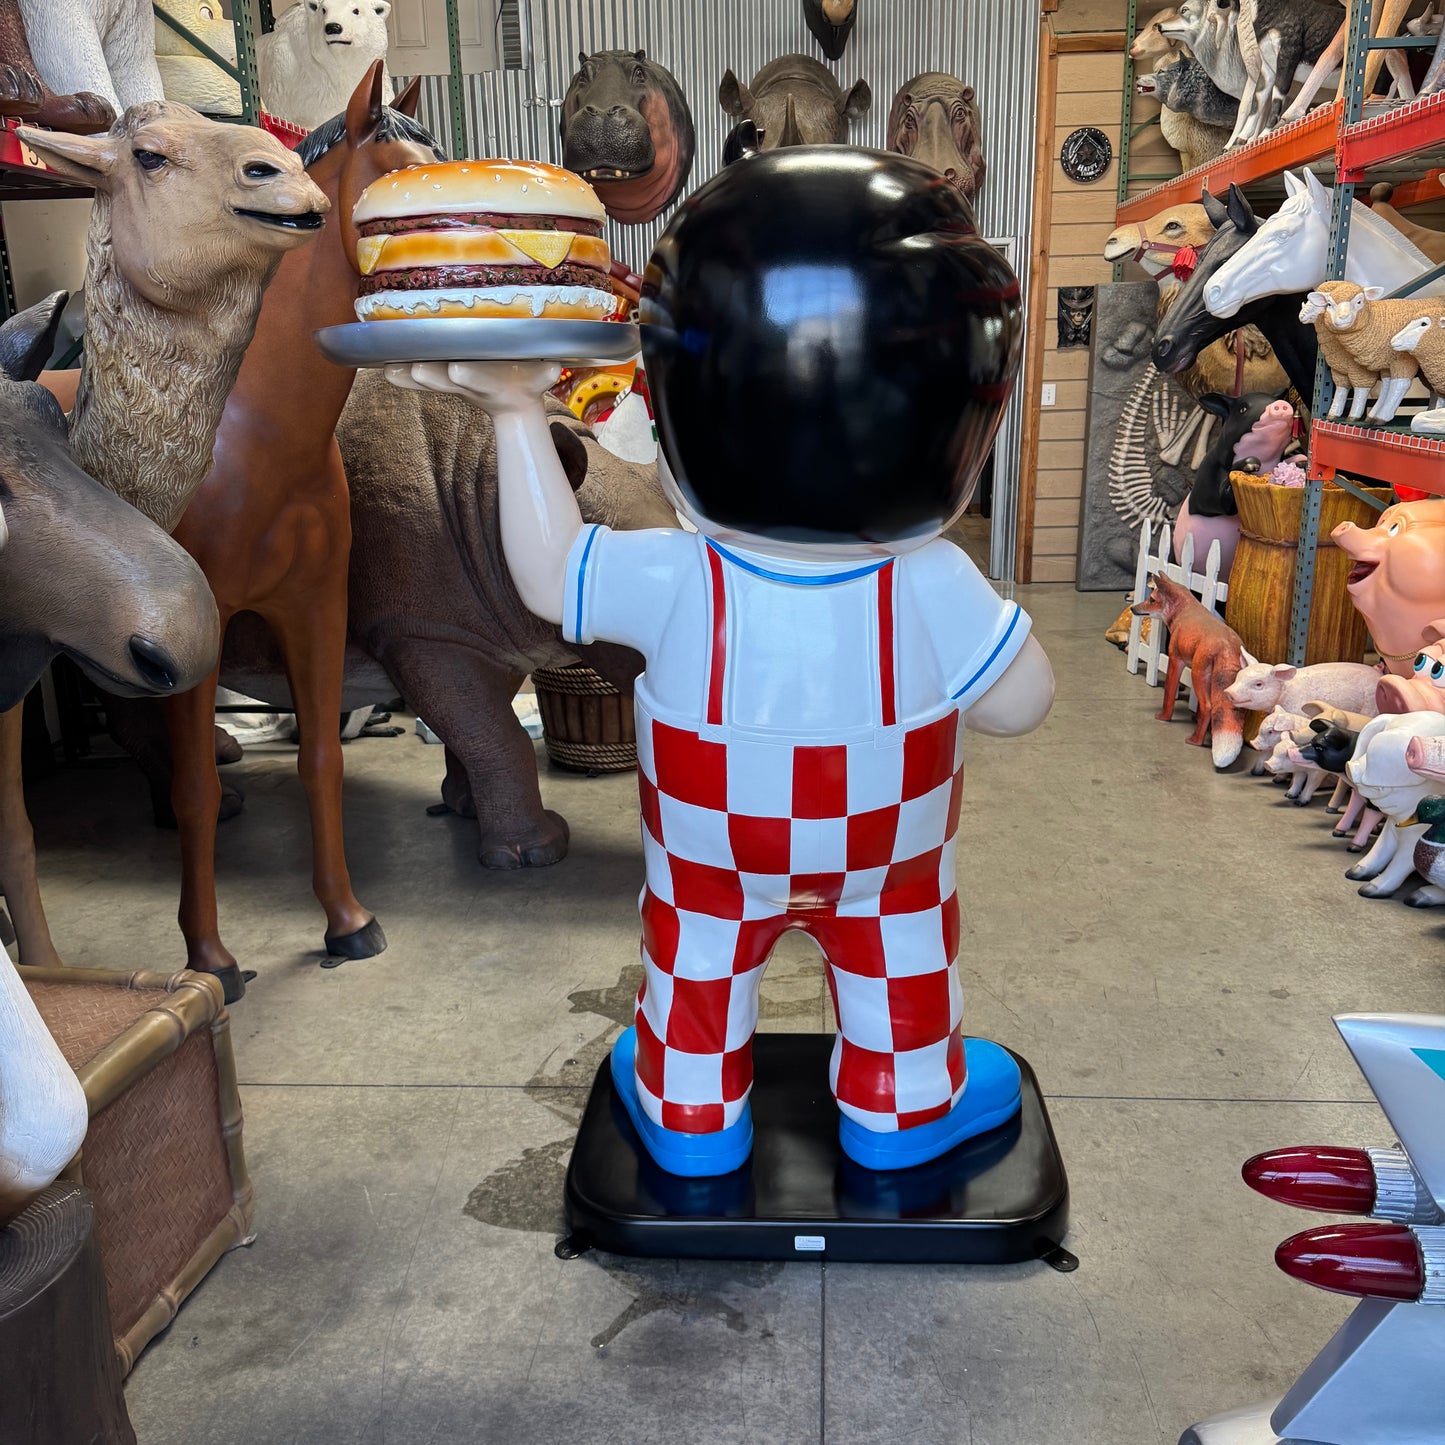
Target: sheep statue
[[314, 59]]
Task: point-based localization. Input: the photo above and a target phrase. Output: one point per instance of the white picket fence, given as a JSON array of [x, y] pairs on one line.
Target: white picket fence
[[1152, 654]]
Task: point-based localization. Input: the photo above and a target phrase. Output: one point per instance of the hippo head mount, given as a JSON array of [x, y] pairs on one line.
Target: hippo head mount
[[831, 22], [627, 129], [935, 119], [793, 101]]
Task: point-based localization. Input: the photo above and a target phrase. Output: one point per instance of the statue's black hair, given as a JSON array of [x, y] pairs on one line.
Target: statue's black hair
[[394, 126]]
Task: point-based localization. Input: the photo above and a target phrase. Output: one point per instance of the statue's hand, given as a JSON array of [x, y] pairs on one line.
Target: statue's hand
[[495, 386]]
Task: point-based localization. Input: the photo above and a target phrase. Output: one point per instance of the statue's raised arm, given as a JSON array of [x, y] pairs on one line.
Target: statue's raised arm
[[539, 514]]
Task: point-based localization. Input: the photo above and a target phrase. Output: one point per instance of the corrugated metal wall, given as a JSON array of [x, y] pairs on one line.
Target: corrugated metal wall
[[993, 44]]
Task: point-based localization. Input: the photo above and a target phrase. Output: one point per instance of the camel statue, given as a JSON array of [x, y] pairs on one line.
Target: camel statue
[[190, 221], [127, 604], [271, 528], [80, 572]]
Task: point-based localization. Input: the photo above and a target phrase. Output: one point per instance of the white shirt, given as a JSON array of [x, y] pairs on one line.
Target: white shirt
[[805, 644]]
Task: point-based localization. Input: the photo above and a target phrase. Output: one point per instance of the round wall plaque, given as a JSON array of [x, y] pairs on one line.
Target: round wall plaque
[[1086, 154]]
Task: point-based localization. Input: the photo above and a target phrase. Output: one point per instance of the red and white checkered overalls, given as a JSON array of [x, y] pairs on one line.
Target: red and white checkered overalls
[[851, 843]]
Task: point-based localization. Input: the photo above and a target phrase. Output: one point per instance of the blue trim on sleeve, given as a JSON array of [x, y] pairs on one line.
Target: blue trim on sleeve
[[823, 581], [581, 583], [993, 656]]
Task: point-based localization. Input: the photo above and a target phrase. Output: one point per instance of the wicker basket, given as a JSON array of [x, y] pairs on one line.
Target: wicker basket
[[586, 723], [163, 1156], [1261, 582]]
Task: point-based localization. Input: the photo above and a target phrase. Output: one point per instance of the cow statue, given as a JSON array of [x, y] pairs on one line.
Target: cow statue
[[627, 129], [831, 22], [794, 101], [935, 120]]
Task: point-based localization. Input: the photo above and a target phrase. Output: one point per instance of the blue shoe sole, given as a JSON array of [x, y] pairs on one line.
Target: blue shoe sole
[[992, 1097], [692, 1156]]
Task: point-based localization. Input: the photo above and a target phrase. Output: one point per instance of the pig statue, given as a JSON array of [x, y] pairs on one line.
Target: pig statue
[[1337, 734], [1263, 685], [1305, 775], [1423, 690], [1380, 769], [1397, 582], [1258, 425], [1279, 724]]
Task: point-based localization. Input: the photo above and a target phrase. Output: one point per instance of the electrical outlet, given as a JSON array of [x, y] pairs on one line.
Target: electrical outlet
[[1048, 394]]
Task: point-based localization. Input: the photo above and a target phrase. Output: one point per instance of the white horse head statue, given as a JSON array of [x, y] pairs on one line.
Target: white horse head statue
[[1288, 252]]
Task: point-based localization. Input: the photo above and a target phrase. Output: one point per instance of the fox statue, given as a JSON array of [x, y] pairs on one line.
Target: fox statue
[[1204, 643]]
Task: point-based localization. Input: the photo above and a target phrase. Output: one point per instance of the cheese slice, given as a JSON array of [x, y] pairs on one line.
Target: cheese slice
[[547, 248], [368, 252]]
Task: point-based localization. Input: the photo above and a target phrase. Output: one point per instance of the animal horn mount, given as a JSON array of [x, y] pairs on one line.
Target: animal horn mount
[[792, 135]]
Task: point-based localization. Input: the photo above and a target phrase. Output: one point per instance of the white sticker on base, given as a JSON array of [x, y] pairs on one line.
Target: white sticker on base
[[809, 1243]]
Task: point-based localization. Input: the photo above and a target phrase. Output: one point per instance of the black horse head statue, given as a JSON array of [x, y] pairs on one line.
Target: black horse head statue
[[1188, 326]]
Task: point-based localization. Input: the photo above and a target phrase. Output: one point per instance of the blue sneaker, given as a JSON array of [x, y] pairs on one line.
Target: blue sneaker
[[693, 1156], [991, 1098]]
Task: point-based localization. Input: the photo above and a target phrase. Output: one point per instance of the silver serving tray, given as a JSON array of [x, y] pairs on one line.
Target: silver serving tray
[[393, 343]]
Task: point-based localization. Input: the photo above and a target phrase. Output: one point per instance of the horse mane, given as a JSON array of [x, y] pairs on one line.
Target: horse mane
[[394, 126]]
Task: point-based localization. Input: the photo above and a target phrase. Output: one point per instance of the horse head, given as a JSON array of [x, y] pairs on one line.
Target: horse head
[[1285, 255], [1189, 327], [347, 153]]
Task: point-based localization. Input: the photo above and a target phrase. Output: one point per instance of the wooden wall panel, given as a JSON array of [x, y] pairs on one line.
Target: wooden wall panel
[[1088, 82]]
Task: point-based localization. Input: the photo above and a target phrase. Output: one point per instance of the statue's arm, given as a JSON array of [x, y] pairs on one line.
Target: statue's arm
[[539, 515], [1020, 700]]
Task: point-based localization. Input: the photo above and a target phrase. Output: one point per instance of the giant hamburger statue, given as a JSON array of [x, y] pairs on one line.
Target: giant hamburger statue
[[482, 239], [830, 346]]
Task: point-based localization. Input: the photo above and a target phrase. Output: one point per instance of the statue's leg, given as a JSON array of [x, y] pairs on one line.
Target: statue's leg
[[311, 630], [195, 799], [468, 703], [697, 1012], [130, 53], [18, 880]]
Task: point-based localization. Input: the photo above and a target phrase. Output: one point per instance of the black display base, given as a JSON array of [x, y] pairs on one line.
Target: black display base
[[998, 1199]]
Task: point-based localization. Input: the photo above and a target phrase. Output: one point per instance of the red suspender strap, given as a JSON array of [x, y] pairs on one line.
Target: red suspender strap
[[887, 684], [717, 662]]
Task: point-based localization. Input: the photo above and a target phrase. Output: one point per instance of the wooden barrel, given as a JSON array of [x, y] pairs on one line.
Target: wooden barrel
[[1261, 582], [586, 723]]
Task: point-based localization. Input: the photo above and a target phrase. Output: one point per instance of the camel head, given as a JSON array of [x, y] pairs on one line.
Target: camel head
[[347, 153], [83, 572], [191, 200], [1186, 225]]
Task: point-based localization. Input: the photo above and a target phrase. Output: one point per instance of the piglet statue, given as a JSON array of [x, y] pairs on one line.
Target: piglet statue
[[1423, 689], [1261, 686], [1397, 582], [1381, 769], [1336, 736], [1277, 739], [1279, 724], [1202, 641]]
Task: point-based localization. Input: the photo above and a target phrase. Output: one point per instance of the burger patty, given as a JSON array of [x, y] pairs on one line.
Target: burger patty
[[400, 225], [432, 278]]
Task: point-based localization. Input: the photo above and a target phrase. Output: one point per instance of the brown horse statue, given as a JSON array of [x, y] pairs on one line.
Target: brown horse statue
[[271, 529]]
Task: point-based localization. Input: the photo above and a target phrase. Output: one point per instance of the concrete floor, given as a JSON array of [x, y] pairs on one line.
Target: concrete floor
[[1164, 944]]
